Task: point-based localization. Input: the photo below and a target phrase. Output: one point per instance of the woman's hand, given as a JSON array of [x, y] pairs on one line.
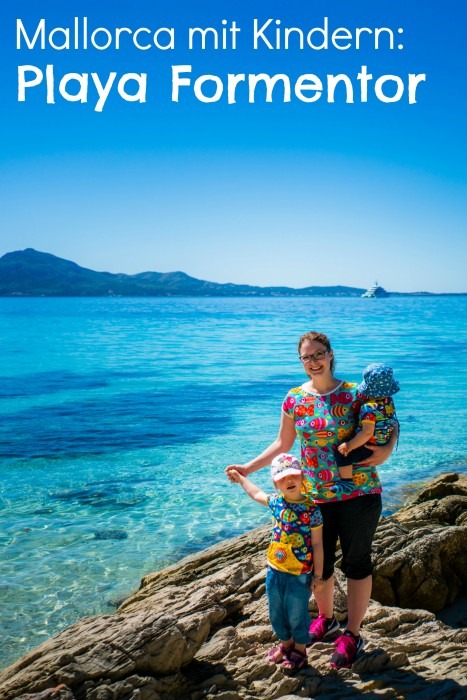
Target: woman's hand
[[380, 454], [233, 470]]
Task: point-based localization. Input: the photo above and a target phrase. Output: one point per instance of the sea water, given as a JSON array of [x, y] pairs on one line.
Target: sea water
[[119, 415]]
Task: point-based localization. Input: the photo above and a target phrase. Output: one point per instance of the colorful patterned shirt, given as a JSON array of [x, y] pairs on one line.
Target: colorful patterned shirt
[[323, 421], [290, 548], [382, 413]]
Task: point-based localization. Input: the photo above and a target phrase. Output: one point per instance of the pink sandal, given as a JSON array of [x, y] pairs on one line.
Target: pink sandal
[[295, 660], [284, 652]]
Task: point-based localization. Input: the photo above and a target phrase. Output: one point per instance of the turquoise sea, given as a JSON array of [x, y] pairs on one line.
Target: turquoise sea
[[119, 415]]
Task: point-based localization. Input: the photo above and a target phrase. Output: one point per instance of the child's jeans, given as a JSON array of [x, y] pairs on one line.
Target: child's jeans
[[288, 596]]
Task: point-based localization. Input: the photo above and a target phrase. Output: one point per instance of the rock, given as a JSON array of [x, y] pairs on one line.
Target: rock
[[444, 485], [61, 692], [110, 535], [421, 551], [200, 629], [455, 615]]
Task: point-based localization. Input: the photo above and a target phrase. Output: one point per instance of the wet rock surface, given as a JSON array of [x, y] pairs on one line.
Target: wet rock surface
[[200, 629]]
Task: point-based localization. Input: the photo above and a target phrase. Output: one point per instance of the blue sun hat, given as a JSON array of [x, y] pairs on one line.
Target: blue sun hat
[[378, 381], [283, 465]]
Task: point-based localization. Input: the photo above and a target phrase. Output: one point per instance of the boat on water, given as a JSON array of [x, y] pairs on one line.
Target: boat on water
[[375, 291]]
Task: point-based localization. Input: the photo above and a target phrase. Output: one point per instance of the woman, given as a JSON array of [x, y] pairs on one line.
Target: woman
[[323, 413]]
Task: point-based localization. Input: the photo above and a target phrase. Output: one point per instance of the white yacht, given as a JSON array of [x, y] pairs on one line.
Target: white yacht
[[375, 291]]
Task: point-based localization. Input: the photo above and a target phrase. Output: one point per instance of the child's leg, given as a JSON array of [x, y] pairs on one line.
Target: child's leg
[[275, 591], [342, 461], [345, 472], [360, 454], [344, 464], [297, 599]]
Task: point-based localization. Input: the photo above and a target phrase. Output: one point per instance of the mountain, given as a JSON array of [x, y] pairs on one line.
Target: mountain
[[32, 273]]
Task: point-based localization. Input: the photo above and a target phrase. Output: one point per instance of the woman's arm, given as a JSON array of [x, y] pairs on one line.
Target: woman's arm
[[318, 552], [282, 443], [318, 559], [381, 452]]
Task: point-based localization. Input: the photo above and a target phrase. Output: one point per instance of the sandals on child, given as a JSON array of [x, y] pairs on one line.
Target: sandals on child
[[295, 660], [290, 658], [279, 651]]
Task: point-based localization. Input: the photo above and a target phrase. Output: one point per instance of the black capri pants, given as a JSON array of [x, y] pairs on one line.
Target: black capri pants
[[354, 523]]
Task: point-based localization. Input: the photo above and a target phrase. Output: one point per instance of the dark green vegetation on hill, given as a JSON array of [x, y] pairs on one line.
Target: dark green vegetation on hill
[[31, 273]]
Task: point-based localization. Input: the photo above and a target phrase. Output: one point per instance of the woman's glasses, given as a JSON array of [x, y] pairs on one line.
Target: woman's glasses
[[315, 357]]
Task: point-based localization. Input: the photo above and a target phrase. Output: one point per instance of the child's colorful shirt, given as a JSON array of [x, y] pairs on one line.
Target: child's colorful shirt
[[323, 421], [290, 548], [382, 413]]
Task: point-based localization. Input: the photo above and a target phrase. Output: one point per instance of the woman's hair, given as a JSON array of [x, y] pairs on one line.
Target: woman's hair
[[319, 338]]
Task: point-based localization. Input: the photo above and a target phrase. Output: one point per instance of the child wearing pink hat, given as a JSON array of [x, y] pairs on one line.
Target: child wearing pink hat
[[295, 558]]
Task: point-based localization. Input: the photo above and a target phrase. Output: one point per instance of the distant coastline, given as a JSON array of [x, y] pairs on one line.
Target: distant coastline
[[30, 273]]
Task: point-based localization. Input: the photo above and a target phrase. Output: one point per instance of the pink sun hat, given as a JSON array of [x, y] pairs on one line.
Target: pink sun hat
[[284, 465]]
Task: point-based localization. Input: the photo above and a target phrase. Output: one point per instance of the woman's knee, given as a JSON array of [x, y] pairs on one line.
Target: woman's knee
[[357, 569]]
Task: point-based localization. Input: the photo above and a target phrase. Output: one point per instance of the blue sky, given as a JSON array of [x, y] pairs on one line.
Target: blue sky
[[272, 194]]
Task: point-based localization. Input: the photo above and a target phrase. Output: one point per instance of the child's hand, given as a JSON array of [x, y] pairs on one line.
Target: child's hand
[[238, 469], [344, 449], [234, 476]]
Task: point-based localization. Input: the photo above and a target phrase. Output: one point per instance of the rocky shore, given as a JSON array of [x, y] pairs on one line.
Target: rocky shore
[[199, 629]]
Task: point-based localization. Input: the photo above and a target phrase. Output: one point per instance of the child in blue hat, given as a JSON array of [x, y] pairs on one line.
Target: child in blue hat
[[376, 422]]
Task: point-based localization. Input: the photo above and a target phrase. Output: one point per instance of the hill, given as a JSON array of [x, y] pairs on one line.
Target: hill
[[32, 273]]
